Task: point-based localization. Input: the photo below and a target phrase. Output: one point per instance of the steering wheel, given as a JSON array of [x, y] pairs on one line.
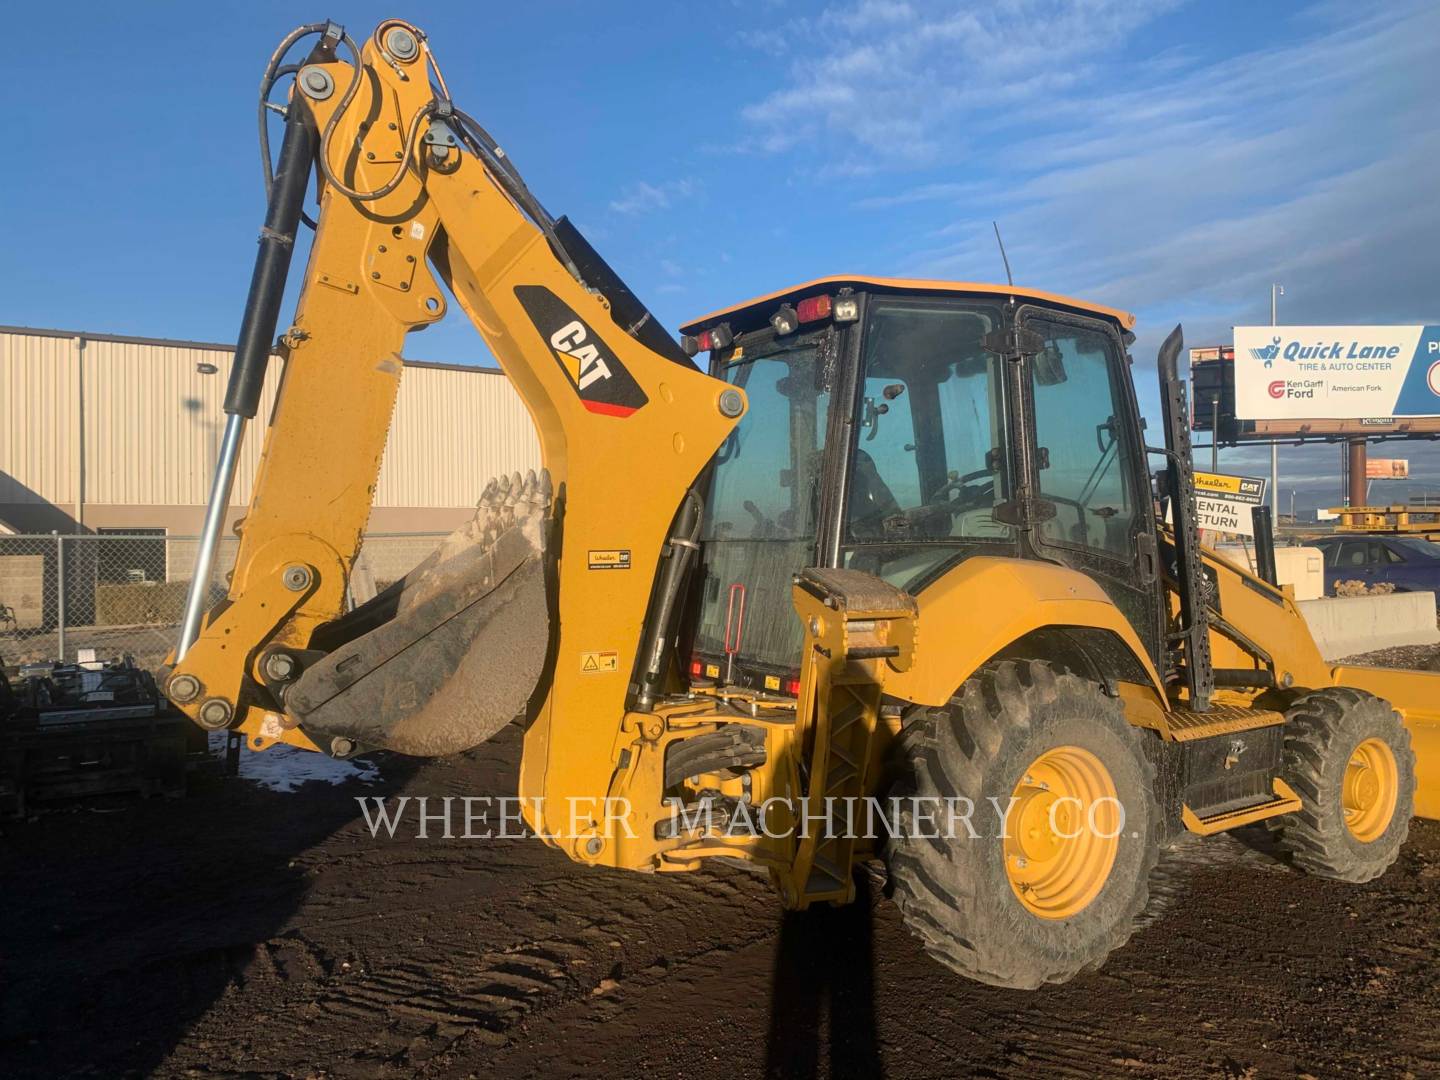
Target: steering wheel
[[928, 516], [956, 482]]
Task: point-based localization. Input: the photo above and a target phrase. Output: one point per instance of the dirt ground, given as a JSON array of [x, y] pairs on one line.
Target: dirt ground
[[245, 931]]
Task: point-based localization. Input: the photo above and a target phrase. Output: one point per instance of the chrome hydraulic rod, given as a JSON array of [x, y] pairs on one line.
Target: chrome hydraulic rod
[[252, 351], [198, 596]]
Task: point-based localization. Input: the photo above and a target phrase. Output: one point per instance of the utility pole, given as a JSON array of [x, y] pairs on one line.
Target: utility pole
[[1276, 291]]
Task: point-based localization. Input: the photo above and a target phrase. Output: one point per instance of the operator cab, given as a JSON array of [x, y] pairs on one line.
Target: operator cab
[[900, 428]]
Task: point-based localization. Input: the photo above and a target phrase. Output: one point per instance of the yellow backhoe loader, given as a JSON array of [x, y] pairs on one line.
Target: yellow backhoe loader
[[899, 550]]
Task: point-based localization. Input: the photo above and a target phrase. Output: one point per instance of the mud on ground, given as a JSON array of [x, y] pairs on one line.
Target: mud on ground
[[248, 931]]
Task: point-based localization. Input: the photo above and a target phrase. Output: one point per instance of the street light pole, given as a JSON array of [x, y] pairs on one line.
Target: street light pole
[[1276, 291], [1214, 433]]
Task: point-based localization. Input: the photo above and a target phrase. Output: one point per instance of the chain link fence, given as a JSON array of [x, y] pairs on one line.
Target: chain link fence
[[124, 593]]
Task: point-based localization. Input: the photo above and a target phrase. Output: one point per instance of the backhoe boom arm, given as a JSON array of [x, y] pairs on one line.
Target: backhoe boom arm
[[413, 196]]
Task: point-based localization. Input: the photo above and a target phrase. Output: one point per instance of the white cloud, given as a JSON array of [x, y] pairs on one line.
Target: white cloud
[[643, 197], [1172, 185], [892, 76], [1310, 163], [1163, 183]]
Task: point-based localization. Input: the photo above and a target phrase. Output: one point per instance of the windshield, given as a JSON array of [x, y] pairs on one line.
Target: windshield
[[1413, 548]]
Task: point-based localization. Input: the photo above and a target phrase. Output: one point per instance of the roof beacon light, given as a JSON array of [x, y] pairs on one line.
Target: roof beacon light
[[785, 321], [813, 308]]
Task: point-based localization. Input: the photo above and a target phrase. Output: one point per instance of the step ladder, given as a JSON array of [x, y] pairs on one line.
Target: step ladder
[[1188, 726]]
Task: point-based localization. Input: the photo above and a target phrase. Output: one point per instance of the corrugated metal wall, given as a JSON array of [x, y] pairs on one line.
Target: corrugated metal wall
[[153, 421], [39, 377], [452, 431]]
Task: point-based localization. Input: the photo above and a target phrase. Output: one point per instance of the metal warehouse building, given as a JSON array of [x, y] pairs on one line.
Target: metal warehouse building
[[102, 433], [107, 448]]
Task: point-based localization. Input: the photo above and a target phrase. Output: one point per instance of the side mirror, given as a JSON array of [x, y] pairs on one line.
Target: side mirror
[[1049, 366]]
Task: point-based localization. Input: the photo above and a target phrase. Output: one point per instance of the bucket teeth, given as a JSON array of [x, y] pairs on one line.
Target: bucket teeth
[[507, 502]]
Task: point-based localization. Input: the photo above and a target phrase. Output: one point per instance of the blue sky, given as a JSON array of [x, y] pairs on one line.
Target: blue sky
[[1169, 158]]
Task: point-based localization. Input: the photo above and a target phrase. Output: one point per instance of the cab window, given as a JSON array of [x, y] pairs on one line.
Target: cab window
[[1084, 465], [764, 494], [930, 465]]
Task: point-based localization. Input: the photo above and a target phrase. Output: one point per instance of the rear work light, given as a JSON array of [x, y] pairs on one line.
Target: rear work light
[[816, 307], [717, 337], [785, 321]]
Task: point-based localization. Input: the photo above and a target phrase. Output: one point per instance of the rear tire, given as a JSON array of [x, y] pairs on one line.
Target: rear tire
[[964, 897], [1348, 757]]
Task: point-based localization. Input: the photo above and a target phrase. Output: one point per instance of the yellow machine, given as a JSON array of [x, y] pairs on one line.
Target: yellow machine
[[1415, 520], [897, 556]]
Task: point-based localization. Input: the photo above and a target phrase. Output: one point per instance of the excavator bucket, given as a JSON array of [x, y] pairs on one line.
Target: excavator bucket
[[450, 654]]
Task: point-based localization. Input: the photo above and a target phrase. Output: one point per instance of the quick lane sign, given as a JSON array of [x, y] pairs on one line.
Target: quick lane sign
[[1336, 372], [1223, 503]]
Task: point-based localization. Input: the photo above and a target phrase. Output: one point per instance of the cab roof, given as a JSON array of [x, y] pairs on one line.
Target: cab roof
[[897, 285]]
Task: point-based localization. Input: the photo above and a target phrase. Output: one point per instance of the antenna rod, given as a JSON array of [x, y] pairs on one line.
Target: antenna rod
[[1004, 258]]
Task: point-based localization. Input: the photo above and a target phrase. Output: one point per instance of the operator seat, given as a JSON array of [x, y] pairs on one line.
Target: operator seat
[[871, 500]]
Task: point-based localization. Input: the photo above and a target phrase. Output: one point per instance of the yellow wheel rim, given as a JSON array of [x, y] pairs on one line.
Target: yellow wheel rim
[[1062, 832], [1371, 789]]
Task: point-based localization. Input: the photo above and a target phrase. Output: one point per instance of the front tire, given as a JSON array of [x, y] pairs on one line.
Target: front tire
[[1348, 757], [1037, 905]]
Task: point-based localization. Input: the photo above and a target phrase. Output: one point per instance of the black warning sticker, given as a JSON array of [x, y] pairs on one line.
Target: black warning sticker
[[599, 378]]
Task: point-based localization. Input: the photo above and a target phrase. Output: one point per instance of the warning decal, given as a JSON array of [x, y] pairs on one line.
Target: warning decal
[[599, 663]]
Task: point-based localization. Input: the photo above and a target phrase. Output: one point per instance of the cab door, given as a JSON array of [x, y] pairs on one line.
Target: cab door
[[1095, 512], [764, 502]]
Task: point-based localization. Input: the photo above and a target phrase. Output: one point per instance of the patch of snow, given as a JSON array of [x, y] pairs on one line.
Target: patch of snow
[[284, 768]]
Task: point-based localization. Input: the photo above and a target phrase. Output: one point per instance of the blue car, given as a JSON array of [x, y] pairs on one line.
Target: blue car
[[1407, 562]]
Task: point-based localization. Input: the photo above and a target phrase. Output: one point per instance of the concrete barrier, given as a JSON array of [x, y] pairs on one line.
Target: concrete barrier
[[1348, 625]]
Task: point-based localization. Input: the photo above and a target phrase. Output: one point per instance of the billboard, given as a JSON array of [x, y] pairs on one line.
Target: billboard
[[1336, 372], [1379, 468]]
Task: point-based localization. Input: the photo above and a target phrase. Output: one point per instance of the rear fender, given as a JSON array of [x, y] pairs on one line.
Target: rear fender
[[986, 605]]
